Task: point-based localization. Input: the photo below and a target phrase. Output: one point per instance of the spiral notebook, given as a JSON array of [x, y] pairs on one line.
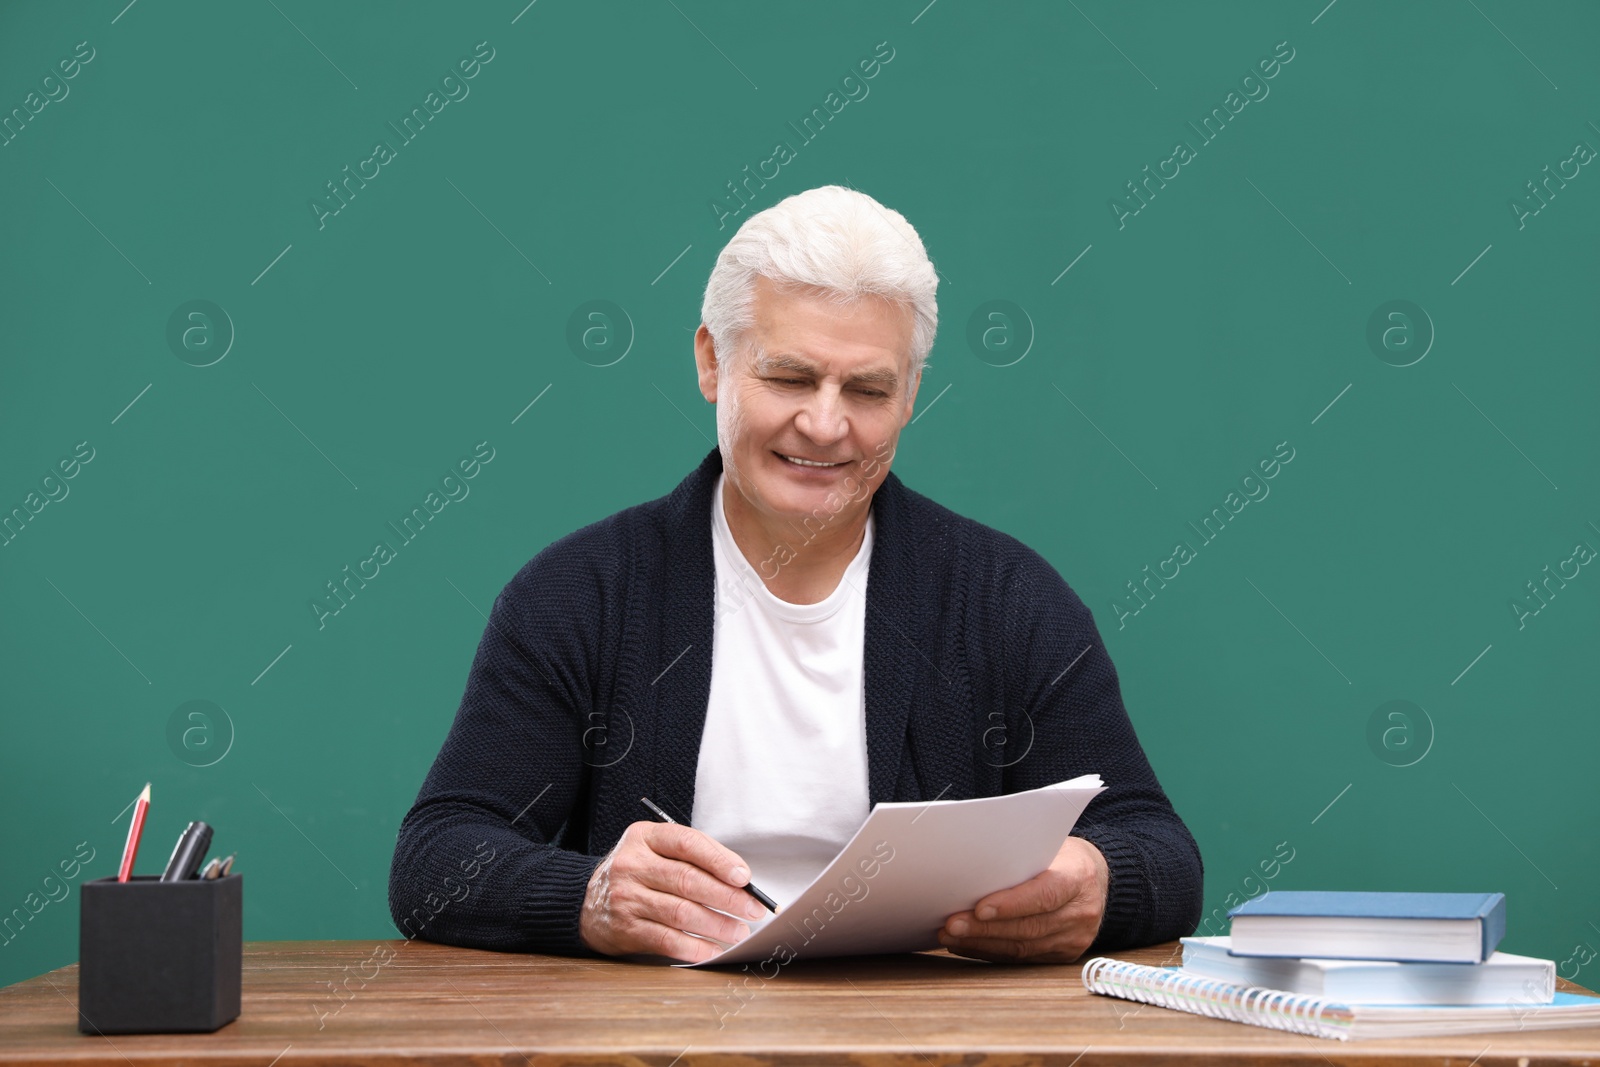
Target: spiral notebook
[[1171, 987]]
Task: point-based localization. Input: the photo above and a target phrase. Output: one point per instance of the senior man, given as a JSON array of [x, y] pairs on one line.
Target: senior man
[[787, 638]]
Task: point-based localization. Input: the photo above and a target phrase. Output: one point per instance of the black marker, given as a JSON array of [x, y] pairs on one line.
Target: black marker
[[187, 854], [749, 887]]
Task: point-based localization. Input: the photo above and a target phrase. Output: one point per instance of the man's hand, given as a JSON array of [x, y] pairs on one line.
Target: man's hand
[[661, 880], [1051, 918]]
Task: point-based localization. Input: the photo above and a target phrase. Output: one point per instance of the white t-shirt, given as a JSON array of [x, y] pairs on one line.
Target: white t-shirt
[[782, 774]]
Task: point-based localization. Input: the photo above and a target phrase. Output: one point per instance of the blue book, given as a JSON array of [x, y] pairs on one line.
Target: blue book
[[1501, 979], [1406, 927]]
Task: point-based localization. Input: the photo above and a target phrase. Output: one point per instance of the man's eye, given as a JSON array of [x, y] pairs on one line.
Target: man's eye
[[874, 393], [789, 381]]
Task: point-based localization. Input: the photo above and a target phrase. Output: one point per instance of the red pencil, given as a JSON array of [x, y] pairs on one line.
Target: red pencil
[[135, 829]]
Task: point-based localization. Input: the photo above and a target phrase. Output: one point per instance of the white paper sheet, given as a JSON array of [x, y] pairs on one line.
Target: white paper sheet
[[913, 865]]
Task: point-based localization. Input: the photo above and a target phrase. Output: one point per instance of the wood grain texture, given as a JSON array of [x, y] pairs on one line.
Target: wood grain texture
[[412, 1002]]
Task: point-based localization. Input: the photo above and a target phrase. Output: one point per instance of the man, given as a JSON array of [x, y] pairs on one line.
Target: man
[[787, 638]]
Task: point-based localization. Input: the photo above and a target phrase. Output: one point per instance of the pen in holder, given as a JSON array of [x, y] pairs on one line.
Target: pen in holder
[[159, 957]]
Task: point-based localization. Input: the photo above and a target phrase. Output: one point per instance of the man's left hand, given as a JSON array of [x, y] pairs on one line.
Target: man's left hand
[[1051, 918]]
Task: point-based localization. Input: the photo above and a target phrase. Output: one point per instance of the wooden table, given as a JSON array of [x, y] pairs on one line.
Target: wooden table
[[412, 1002]]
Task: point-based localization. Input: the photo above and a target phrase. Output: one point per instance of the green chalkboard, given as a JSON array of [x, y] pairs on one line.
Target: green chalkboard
[[273, 270]]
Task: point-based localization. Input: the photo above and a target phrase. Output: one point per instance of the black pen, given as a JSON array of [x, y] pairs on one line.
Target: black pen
[[187, 854], [749, 887]]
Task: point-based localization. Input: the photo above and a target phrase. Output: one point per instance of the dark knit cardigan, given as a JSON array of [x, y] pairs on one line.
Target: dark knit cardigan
[[984, 675]]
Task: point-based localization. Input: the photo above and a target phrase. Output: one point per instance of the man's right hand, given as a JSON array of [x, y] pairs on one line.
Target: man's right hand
[[661, 880]]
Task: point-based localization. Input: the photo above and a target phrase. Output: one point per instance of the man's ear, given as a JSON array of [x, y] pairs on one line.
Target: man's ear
[[911, 399], [705, 361]]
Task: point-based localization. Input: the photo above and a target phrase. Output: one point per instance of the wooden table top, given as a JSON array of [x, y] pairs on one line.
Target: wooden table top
[[413, 1002]]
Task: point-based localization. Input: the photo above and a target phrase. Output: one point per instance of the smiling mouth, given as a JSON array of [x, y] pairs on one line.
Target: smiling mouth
[[808, 463]]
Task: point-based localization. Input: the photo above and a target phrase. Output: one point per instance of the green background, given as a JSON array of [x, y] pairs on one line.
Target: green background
[[1227, 316]]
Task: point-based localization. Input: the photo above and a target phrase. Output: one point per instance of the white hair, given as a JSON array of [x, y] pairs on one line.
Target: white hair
[[832, 239]]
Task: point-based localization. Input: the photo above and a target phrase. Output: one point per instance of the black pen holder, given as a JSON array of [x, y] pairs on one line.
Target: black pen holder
[[159, 957]]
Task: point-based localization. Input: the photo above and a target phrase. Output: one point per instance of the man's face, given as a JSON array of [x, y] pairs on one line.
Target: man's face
[[822, 383]]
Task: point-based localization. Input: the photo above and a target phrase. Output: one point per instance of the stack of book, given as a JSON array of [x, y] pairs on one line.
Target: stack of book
[[1355, 965]]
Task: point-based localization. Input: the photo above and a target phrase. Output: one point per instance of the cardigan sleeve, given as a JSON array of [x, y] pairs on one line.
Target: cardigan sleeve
[[1066, 705], [476, 861]]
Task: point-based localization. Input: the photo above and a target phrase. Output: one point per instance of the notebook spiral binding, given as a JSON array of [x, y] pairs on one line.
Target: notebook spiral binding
[[1169, 987]]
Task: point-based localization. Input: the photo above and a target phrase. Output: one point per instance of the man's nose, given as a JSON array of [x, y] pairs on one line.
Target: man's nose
[[823, 418]]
